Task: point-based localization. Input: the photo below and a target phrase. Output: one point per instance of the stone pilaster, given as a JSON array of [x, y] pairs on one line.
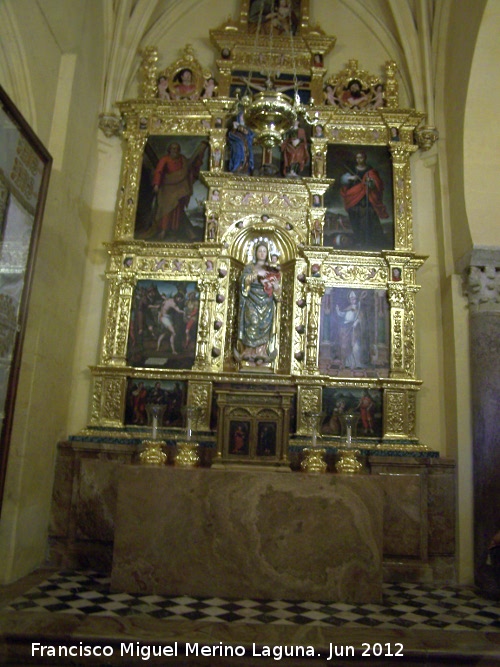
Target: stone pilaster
[[482, 285]]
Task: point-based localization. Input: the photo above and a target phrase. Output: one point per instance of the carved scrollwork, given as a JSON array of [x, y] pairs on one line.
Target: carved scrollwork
[[309, 406], [396, 412]]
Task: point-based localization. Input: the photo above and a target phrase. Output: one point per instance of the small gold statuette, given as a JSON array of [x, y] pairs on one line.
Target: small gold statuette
[[314, 456], [152, 453], [348, 462], [188, 450]]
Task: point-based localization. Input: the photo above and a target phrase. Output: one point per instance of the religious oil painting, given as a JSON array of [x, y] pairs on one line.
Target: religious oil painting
[[364, 404], [266, 438], [274, 17], [163, 324], [239, 438], [170, 395], [359, 206], [354, 333], [170, 205]]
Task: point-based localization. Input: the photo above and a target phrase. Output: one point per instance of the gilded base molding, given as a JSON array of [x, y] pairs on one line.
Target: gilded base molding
[[348, 463], [187, 454], [314, 459], [152, 453]]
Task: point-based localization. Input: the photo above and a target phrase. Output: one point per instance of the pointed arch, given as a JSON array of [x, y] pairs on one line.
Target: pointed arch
[[16, 76]]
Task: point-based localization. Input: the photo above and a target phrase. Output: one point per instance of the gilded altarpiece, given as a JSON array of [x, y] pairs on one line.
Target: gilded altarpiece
[[313, 234]]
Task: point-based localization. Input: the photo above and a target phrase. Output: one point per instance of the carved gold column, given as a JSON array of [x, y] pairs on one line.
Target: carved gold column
[[149, 72], [127, 201], [391, 85], [114, 349], [403, 227], [315, 290], [396, 296], [208, 289]]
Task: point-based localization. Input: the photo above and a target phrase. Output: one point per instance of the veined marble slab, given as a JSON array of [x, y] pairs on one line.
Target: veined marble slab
[[248, 534]]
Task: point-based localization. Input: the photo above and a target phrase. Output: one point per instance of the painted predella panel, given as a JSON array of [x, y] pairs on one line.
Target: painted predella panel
[[142, 392], [266, 439], [354, 333], [365, 404], [239, 438], [359, 213], [171, 196], [163, 324]]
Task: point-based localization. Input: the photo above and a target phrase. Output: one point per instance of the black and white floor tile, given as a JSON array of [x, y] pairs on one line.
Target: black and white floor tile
[[415, 606]]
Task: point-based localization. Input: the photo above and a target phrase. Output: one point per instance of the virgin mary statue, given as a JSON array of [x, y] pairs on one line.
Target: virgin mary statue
[[260, 288]]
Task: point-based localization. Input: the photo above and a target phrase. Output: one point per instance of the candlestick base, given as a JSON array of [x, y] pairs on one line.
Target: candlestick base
[[348, 462], [187, 454], [152, 453], [313, 459]]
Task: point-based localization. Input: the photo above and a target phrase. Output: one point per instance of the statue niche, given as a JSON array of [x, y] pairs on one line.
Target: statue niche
[[258, 312]]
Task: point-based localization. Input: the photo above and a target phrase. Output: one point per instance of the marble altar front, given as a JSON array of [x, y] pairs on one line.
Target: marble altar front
[[248, 534]]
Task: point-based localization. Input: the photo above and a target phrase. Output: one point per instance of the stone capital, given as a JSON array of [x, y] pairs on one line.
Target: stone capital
[[111, 124], [480, 269]]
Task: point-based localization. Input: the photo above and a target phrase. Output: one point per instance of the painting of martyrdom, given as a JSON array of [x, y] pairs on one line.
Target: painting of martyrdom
[[163, 324], [170, 205], [239, 438], [141, 392], [359, 206], [277, 17], [266, 439], [366, 404], [354, 333]]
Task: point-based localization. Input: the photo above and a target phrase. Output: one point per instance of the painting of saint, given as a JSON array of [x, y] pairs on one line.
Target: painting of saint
[[266, 439], [365, 404], [359, 207], [239, 441], [163, 324], [354, 333], [142, 392], [171, 197]]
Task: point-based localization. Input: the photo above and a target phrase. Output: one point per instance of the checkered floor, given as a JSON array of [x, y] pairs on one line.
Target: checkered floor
[[414, 606]]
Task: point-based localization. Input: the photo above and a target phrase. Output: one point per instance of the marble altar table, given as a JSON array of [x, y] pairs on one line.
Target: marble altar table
[[248, 534]]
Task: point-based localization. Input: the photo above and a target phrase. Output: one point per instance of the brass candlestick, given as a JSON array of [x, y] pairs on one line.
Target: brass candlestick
[[152, 453]]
